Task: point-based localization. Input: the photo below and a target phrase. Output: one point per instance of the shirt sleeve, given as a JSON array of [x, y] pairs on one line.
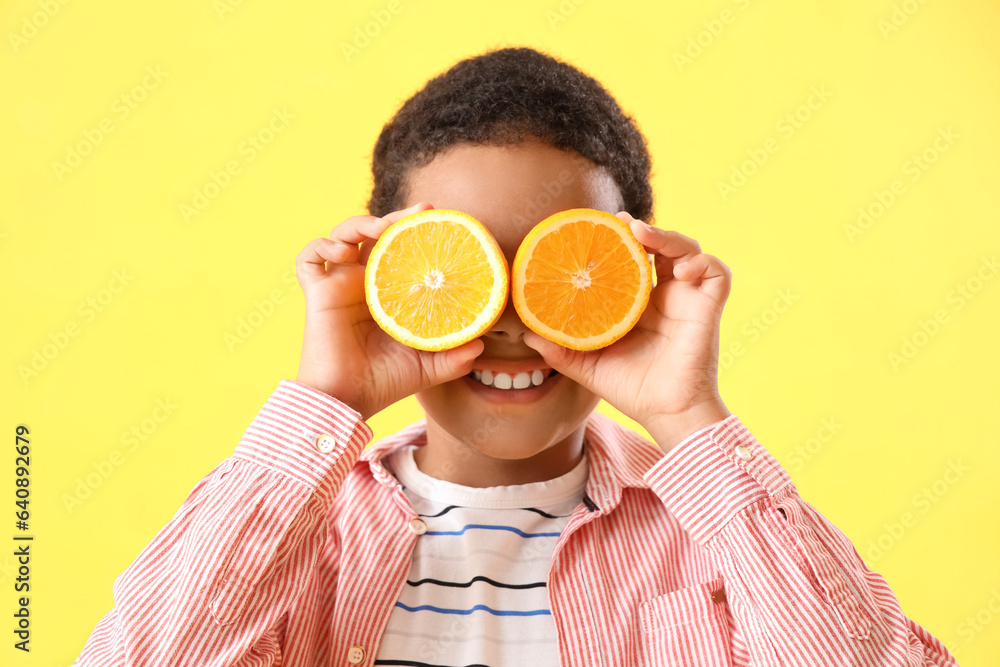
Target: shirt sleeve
[[795, 584], [214, 585]]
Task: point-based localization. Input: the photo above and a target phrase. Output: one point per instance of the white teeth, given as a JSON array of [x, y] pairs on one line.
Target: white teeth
[[523, 380], [502, 381]]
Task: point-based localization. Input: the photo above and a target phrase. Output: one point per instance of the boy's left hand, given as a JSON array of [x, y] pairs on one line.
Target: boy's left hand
[[664, 372]]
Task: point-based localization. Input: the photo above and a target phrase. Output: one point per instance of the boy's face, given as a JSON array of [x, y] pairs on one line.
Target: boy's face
[[510, 189]]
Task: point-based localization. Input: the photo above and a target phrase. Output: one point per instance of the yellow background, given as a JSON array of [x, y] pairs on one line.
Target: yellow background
[[225, 67]]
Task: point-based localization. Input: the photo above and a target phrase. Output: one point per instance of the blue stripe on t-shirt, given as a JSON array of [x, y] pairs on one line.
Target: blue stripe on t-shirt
[[484, 526], [478, 607]]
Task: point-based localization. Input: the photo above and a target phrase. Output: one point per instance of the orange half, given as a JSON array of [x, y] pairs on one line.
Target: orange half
[[436, 279], [580, 278]]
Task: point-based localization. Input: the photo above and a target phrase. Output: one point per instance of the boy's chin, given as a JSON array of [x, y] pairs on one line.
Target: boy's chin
[[506, 436]]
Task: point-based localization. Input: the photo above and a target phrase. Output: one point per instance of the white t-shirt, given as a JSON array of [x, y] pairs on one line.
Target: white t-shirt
[[476, 591]]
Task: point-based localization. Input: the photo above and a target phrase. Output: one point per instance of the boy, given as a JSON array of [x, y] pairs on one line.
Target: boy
[[511, 526]]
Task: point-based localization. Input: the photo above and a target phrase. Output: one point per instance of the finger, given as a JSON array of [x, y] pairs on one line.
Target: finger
[[701, 266], [667, 247], [664, 241], [344, 253], [320, 255], [360, 228], [337, 252], [395, 216], [451, 364], [311, 261], [399, 215], [706, 271], [575, 364], [365, 252]]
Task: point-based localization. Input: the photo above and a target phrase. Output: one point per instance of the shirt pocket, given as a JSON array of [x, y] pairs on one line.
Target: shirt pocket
[[686, 628]]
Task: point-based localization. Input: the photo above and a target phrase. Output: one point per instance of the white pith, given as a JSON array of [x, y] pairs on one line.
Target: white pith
[[434, 279], [521, 380], [581, 278]]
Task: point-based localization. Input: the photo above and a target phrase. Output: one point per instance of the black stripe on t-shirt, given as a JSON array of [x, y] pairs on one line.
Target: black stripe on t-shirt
[[527, 509], [466, 584], [414, 663], [545, 514], [441, 513]]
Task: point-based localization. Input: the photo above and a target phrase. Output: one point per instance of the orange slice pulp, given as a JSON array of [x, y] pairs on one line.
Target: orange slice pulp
[[436, 279], [581, 279]]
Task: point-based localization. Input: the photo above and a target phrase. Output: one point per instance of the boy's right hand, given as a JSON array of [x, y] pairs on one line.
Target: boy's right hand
[[344, 352]]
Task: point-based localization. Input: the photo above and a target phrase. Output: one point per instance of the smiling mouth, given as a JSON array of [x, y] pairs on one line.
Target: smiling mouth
[[515, 381]]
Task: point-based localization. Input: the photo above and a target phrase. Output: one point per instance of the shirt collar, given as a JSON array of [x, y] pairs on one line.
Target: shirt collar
[[616, 456]]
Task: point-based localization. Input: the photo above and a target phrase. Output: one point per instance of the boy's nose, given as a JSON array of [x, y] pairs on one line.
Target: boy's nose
[[509, 328]]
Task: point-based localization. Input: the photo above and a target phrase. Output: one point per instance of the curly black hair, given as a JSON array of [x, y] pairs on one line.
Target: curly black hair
[[503, 97]]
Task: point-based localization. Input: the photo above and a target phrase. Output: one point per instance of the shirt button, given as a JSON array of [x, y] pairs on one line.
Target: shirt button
[[743, 453], [325, 443], [356, 655], [418, 526]]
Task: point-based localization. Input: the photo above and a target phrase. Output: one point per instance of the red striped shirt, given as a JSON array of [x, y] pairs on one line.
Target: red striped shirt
[[289, 554]]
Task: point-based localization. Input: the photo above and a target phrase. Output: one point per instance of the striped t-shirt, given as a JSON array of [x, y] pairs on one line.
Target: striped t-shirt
[[476, 589]]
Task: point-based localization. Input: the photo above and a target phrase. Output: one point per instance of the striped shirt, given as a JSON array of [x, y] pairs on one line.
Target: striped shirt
[[476, 592], [294, 551]]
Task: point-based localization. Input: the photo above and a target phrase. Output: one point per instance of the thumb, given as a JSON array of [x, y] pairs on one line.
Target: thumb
[[452, 364], [570, 363]]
